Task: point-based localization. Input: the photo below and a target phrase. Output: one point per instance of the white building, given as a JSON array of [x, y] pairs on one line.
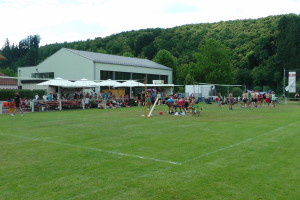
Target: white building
[[199, 90], [74, 65]]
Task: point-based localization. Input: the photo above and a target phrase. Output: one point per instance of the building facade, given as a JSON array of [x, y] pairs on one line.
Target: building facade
[[74, 65]]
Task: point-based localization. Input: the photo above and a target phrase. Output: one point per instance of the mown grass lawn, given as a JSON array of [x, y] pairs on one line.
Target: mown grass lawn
[[118, 154]]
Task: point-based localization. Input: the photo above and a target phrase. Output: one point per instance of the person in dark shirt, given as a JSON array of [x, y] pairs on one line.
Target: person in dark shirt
[[17, 100]]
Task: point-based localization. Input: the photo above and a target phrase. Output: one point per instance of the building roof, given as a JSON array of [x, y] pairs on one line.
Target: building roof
[[2, 57], [118, 60], [7, 81]]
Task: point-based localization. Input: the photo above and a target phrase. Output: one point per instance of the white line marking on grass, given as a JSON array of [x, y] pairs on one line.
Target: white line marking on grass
[[16, 142], [237, 144], [95, 149], [170, 167]]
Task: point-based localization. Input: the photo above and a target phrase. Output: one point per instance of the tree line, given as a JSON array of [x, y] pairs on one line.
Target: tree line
[[252, 52]]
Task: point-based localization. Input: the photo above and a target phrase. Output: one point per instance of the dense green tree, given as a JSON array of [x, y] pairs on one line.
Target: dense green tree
[[185, 74], [165, 58], [243, 77], [213, 63]]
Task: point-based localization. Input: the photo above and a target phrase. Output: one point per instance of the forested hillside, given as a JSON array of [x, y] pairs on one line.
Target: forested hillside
[[250, 52]]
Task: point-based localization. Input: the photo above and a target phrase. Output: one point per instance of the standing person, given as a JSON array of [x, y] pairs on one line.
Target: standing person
[[244, 99], [54, 96], [259, 99], [162, 98], [249, 99], [253, 98], [230, 99], [264, 98], [139, 99], [268, 98], [17, 101], [181, 103], [153, 97], [50, 98], [148, 100], [219, 100], [273, 99]]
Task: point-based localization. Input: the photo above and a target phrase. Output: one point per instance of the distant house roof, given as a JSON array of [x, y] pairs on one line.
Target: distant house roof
[[118, 60], [7, 81], [2, 57]]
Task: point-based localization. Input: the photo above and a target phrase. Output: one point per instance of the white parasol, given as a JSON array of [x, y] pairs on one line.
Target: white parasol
[[84, 83], [109, 83], [57, 82]]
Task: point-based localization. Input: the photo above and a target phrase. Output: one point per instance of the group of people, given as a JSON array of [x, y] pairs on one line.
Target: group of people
[[180, 105], [257, 99], [251, 99], [175, 103]]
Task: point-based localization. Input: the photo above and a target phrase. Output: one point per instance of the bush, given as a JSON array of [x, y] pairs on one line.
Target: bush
[[28, 94]]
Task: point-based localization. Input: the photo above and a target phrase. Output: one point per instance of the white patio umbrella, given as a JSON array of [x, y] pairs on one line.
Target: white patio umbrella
[[109, 83], [57, 82], [84, 83], [131, 84]]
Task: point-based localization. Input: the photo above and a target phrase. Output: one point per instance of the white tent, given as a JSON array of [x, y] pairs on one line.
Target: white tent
[[109, 83], [131, 83], [84, 83], [57, 82]]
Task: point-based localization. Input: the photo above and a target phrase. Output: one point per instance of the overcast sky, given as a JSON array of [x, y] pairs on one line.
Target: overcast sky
[[73, 20]]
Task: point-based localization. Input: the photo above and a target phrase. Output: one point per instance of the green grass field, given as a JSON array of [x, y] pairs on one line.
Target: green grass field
[[117, 154]]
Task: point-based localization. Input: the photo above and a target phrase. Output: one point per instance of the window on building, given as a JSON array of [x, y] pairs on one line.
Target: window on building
[[151, 77], [122, 76], [138, 77], [43, 75], [104, 75], [164, 78]]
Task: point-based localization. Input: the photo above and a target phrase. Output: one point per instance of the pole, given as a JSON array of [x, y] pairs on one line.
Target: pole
[[283, 89], [145, 88], [149, 115]]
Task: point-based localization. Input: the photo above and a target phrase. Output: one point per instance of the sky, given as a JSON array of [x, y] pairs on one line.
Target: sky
[[74, 20]]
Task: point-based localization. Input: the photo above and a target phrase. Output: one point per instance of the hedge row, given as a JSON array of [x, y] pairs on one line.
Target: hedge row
[[28, 94]]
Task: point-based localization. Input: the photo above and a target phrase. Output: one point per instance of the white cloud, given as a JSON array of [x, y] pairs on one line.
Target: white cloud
[[72, 20]]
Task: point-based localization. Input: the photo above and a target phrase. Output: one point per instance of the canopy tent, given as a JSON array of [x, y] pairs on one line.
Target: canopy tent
[[84, 83], [131, 83], [109, 83], [57, 82]]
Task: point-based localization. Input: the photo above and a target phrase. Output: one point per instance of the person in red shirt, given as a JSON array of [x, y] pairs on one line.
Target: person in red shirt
[[260, 99], [181, 103]]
